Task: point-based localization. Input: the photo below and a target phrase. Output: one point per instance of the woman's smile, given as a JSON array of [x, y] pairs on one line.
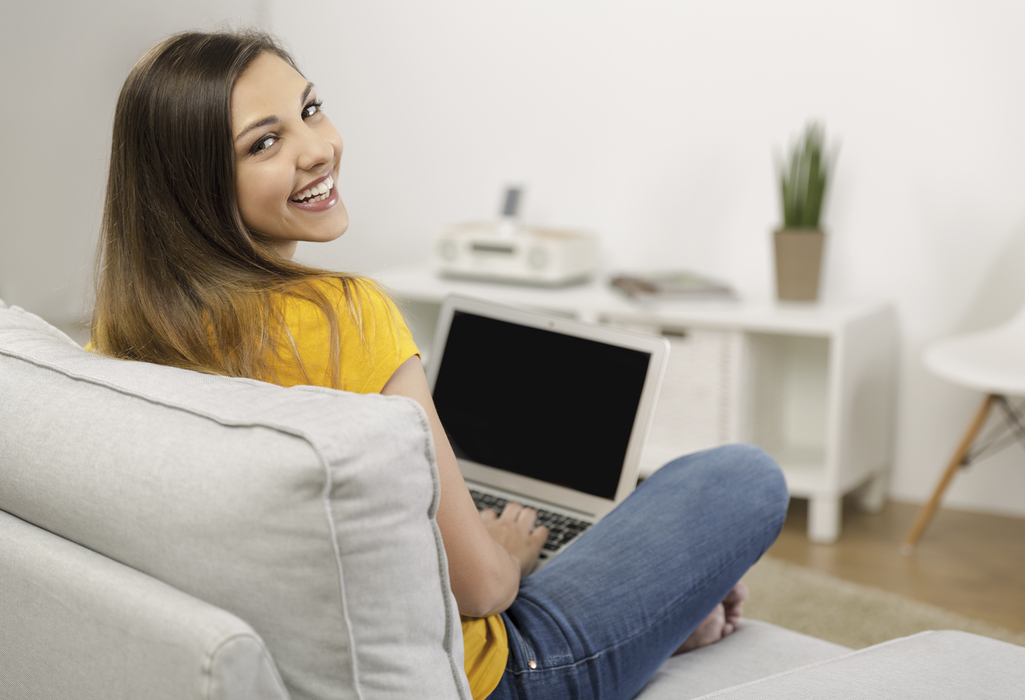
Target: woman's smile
[[317, 191], [320, 196]]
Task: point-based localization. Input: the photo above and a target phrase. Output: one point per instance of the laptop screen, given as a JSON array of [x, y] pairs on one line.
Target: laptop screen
[[539, 403]]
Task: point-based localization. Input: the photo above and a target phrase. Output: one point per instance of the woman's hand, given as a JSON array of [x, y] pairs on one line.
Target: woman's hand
[[515, 531]]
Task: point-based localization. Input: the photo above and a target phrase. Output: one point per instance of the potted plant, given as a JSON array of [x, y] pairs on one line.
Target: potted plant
[[803, 179]]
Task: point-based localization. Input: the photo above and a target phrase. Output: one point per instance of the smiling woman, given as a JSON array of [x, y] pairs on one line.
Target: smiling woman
[[219, 143]]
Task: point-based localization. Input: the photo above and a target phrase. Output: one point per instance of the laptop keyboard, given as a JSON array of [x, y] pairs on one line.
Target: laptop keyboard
[[562, 529]]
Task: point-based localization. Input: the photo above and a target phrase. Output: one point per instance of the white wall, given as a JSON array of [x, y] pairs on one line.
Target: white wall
[[652, 123], [61, 68]]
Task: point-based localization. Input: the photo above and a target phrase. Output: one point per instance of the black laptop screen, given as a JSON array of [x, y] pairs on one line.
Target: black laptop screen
[[539, 403]]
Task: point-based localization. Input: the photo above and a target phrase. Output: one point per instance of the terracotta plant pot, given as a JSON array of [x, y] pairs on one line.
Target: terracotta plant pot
[[798, 262]]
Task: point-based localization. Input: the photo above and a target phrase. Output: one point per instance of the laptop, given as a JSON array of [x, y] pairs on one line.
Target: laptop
[[545, 411]]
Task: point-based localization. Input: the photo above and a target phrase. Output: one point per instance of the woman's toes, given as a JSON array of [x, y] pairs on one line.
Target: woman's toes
[[708, 632]]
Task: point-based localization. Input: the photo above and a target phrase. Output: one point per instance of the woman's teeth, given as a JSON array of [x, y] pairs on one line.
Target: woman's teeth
[[316, 194]]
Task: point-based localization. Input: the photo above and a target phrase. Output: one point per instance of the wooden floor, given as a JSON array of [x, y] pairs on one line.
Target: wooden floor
[[967, 563]]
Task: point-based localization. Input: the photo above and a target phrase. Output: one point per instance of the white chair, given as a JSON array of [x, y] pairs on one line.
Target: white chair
[[990, 361]]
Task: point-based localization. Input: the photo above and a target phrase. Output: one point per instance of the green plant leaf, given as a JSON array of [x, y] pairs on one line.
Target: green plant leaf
[[803, 178]]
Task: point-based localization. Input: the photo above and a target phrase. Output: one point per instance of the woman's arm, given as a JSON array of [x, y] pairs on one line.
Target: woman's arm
[[487, 555]]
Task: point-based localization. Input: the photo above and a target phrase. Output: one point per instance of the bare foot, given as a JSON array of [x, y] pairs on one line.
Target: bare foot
[[721, 622]]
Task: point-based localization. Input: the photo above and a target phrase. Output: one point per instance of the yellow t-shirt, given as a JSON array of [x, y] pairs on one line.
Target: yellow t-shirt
[[486, 646], [372, 337], [365, 366]]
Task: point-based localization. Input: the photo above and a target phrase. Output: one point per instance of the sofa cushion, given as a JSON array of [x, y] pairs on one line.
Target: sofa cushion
[[306, 512], [756, 650], [944, 665], [79, 625]]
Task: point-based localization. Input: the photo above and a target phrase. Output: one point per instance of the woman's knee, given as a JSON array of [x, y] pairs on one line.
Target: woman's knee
[[753, 464], [756, 467], [744, 475]]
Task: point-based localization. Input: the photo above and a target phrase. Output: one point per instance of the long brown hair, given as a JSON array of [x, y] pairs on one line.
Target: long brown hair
[[180, 278]]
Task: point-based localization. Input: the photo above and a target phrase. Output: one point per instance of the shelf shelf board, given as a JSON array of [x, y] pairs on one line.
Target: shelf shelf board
[[595, 300], [804, 468]]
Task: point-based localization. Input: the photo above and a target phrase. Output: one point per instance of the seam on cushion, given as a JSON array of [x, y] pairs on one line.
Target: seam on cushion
[[264, 652], [353, 659], [446, 584], [287, 430]]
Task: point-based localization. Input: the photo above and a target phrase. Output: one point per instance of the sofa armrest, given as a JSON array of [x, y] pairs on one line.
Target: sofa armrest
[[75, 624]]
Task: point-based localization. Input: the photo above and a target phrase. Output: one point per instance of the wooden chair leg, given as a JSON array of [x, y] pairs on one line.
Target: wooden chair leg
[[928, 509]]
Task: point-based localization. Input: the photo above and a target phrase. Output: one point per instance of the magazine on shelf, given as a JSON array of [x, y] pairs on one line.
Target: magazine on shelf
[[676, 284]]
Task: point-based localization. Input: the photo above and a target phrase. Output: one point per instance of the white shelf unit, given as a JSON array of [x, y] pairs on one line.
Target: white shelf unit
[[812, 384]]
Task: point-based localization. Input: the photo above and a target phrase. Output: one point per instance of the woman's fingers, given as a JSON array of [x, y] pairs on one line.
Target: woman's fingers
[[523, 516], [512, 511], [515, 530]]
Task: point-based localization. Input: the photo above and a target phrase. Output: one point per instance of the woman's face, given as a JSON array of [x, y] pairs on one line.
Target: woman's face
[[287, 154]]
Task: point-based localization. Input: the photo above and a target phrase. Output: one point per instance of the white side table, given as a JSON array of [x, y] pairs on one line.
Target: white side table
[[813, 384]]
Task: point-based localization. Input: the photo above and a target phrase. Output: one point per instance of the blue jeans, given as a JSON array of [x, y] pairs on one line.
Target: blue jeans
[[600, 619]]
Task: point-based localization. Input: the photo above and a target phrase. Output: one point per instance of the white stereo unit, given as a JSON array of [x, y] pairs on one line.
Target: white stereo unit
[[519, 254]]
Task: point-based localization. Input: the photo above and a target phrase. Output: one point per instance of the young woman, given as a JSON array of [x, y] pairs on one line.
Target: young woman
[[222, 161]]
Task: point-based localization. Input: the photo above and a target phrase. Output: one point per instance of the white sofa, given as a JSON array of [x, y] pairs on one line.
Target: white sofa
[[170, 535]]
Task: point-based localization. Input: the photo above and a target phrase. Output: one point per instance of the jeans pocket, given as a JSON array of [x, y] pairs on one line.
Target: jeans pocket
[[521, 655]]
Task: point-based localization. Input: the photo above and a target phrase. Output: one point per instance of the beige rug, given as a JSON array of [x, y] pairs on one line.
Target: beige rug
[[846, 613]]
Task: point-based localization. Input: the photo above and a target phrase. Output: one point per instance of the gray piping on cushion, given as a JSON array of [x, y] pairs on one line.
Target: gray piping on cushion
[[442, 565]]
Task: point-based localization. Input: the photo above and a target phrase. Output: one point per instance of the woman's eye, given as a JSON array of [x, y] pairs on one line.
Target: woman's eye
[[263, 144], [311, 109]]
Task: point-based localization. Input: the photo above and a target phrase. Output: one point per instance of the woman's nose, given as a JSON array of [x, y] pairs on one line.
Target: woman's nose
[[315, 150]]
